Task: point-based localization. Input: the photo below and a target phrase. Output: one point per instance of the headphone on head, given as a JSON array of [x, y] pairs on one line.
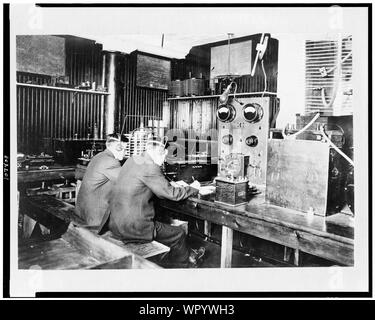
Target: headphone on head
[[119, 146]]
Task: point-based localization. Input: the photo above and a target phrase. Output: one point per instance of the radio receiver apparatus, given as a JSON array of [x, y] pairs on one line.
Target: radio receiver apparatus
[[244, 125]]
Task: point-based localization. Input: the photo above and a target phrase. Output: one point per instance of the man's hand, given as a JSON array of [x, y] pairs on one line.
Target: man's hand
[[174, 184], [195, 184]]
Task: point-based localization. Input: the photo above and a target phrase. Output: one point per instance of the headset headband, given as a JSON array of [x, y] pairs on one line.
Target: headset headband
[[154, 142], [159, 143], [117, 138]]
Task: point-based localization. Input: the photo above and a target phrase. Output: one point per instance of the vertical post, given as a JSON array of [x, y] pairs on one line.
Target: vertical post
[[207, 228], [102, 101], [78, 186], [226, 247], [296, 257], [287, 252], [110, 105], [229, 37]]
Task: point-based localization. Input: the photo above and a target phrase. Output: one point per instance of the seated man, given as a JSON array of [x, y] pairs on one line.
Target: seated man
[[132, 213], [101, 173]]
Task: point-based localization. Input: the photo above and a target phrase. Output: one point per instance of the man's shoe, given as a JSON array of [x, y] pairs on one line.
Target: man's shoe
[[196, 256]]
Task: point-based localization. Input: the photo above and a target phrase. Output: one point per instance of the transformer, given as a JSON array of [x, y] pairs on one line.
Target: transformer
[[176, 88], [194, 87]]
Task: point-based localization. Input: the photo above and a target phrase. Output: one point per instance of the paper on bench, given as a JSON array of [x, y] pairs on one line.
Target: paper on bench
[[205, 190], [148, 249], [182, 183]]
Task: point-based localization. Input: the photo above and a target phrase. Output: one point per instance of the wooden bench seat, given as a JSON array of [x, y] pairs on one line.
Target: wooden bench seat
[[145, 250], [54, 254], [60, 220]]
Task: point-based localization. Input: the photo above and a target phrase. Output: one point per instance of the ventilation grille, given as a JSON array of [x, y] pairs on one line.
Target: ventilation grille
[[323, 54]]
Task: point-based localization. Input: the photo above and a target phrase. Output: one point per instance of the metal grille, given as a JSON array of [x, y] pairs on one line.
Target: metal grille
[[320, 56]]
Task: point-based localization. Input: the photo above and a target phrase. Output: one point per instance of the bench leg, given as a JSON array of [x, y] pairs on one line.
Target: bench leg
[[226, 247], [287, 253], [207, 229], [45, 231], [28, 226], [78, 185], [296, 257]]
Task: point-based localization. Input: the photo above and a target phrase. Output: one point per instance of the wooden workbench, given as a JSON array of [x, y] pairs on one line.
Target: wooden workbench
[[331, 238]]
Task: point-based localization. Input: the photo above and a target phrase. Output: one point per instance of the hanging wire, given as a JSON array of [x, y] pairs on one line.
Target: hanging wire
[[265, 78], [338, 73], [335, 147], [292, 136]]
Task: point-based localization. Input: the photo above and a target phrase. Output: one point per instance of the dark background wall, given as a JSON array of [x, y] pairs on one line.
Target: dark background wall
[[44, 114], [133, 100], [41, 54], [185, 112], [197, 64]]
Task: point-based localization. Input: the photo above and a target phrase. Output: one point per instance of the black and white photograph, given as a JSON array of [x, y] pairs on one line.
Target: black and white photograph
[[189, 148]]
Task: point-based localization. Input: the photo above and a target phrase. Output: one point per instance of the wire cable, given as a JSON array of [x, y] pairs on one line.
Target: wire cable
[[292, 136], [235, 90], [265, 78], [342, 61], [336, 85], [257, 56], [323, 96], [335, 147]]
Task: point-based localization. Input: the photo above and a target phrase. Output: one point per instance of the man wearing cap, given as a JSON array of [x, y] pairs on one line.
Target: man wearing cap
[[131, 215], [101, 173]]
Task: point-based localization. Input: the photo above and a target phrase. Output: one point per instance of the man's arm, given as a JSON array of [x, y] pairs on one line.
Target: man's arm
[[155, 180], [111, 169]]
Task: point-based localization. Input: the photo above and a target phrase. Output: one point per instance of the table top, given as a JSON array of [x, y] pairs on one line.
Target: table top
[[339, 227], [53, 172], [55, 167]]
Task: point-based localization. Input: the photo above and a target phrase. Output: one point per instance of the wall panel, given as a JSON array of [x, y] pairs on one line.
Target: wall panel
[[52, 113], [135, 103], [44, 113]]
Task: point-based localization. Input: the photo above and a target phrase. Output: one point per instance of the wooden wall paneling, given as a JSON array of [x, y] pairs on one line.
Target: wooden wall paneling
[[136, 100], [48, 113], [197, 121]]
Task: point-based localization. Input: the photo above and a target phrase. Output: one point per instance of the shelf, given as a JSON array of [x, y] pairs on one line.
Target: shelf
[[218, 95], [80, 139], [60, 88]]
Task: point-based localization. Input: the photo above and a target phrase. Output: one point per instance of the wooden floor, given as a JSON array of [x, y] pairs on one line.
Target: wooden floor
[[212, 256], [267, 255], [55, 254]]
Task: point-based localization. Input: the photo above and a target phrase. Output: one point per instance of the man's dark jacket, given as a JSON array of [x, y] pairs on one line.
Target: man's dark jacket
[[93, 196], [131, 201]]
